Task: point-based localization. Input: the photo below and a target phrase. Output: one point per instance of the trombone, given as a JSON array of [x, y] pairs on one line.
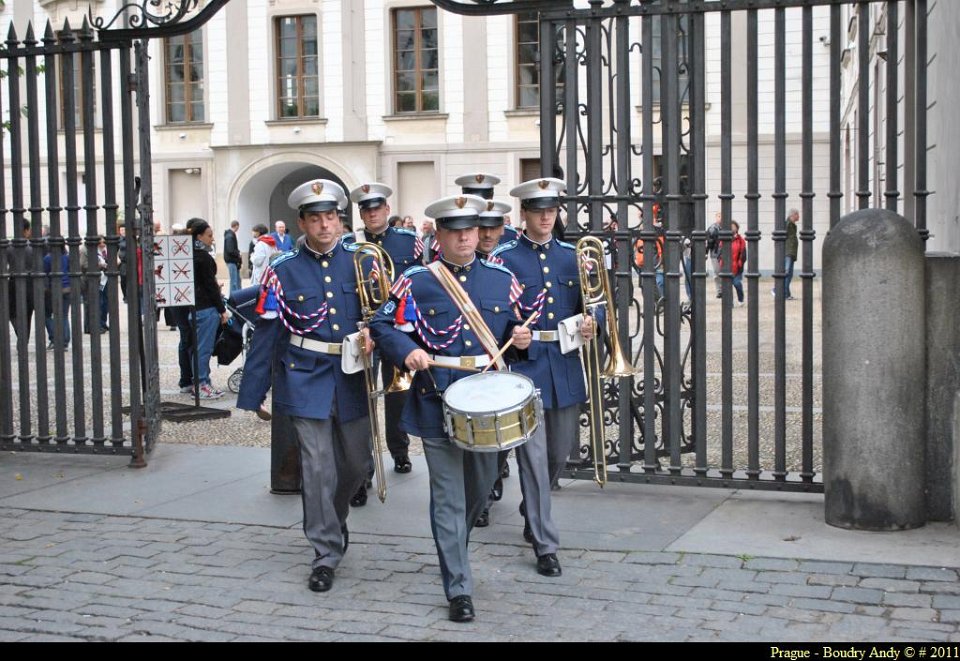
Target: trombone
[[595, 291], [373, 290]]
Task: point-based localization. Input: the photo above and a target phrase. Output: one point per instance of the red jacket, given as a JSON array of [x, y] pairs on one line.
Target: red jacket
[[738, 253]]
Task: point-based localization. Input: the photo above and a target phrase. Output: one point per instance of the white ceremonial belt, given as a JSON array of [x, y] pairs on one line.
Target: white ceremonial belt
[[546, 336], [316, 345], [461, 361]]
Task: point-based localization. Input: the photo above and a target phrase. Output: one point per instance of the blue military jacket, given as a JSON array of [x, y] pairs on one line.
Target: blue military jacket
[[510, 233], [403, 246], [550, 280], [432, 322], [313, 295]]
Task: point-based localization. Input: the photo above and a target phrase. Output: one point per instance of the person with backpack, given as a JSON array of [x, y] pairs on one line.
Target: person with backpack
[[713, 250]]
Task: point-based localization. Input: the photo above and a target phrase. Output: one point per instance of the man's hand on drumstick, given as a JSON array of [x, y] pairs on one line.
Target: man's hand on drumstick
[[417, 360], [522, 337]]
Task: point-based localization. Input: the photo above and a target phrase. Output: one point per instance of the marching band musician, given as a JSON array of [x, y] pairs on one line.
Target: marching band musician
[[548, 273], [308, 304], [422, 327], [405, 249], [480, 183]]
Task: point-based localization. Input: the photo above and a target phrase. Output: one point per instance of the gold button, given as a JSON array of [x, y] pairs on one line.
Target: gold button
[[468, 343], [496, 308], [423, 391], [327, 278], [570, 283], [329, 294], [548, 284], [463, 278], [549, 299], [549, 315], [336, 327], [546, 269], [324, 263], [333, 310], [291, 365], [543, 256], [300, 298], [431, 312], [466, 327]]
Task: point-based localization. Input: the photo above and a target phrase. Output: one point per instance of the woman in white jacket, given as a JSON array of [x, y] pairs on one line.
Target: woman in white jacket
[[264, 248]]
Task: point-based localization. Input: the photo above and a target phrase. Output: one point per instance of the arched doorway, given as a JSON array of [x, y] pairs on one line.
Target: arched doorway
[[263, 198]]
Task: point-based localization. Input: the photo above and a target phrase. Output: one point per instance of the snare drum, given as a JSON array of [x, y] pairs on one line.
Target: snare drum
[[492, 411]]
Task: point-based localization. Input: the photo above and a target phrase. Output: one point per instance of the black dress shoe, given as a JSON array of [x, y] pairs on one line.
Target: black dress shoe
[[321, 579], [497, 492], [548, 565], [461, 609], [401, 464], [484, 519], [360, 498], [527, 532]]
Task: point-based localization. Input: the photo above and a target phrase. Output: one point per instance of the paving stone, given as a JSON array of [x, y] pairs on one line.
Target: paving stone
[[931, 574], [857, 595], [907, 599], [947, 601], [774, 564], [867, 569], [822, 567], [812, 591], [836, 579], [903, 613], [890, 584]]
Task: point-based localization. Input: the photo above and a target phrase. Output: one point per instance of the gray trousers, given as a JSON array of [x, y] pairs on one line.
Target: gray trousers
[[535, 480], [459, 484], [715, 264], [563, 436], [333, 461]]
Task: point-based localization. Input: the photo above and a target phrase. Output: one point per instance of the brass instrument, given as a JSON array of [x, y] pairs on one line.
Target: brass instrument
[[373, 291], [595, 291]]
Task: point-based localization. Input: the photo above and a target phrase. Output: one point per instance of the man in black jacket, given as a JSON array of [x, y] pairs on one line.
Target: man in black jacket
[[231, 255]]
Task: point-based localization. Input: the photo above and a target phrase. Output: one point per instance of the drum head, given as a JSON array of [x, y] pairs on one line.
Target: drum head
[[488, 392]]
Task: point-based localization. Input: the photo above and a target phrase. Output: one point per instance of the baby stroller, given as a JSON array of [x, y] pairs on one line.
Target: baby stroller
[[234, 337]]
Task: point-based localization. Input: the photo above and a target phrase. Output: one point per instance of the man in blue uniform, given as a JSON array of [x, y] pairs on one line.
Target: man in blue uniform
[[480, 183], [422, 328], [547, 271], [308, 304], [405, 249]]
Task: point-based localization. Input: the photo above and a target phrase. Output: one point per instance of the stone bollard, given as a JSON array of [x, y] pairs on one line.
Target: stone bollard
[[874, 373]]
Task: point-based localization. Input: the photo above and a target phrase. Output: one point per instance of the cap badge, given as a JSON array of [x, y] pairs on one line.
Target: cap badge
[[460, 201], [489, 205], [543, 183], [365, 188], [317, 188], [479, 178]]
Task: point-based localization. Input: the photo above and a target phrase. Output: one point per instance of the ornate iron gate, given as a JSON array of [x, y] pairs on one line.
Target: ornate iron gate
[[592, 60], [64, 145]]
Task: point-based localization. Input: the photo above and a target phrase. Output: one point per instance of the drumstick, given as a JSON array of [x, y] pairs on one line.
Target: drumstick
[[509, 343], [433, 363]]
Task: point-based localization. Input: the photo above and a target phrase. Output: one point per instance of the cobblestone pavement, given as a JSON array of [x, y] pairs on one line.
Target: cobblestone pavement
[[113, 578]]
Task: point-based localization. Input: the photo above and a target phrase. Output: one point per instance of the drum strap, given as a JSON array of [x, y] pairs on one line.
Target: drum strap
[[469, 311]]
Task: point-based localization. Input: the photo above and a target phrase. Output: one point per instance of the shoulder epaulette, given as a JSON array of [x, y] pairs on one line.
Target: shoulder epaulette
[[498, 267], [413, 270], [509, 245], [284, 257], [351, 246], [566, 245], [349, 237], [406, 232]]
